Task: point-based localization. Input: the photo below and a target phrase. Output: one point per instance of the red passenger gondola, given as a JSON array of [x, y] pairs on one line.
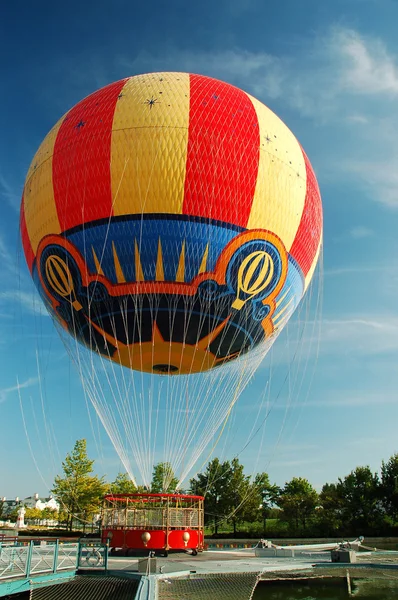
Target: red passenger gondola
[[159, 522]]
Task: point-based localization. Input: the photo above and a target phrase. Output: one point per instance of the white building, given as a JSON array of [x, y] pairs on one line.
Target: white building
[[36, 501]]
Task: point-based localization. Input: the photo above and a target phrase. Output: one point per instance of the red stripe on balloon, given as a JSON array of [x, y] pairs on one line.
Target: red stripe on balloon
[[309, 232], [27, 246], [81, 161], [223, 152]]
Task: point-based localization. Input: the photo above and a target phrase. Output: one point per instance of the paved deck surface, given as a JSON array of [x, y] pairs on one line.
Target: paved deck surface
[[216, 562], [314, 564]]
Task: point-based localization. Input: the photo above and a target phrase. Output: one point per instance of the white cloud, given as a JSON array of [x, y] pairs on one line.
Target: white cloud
[[358, 118], [381, 176], [4, 253], [351, 83], [368, 440], [30, 302], [9, 262], [360, 232], [360, 335], [354, 336], [238, 7], [354, 399], [353, 269], [368, 66], [330, 398], [341, 80], [8, 192], [259, 73], [25, 384], [298, 462]]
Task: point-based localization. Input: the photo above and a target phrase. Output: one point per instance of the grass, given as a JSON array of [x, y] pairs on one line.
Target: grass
[[246, 529]]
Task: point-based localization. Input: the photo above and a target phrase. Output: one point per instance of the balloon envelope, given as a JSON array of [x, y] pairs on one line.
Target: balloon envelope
[[171, 223]]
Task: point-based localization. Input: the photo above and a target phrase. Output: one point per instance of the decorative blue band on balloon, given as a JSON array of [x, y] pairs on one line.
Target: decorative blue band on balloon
[[197, 237]]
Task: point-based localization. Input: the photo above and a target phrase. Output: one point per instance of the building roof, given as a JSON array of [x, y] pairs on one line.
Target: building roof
[[41, 498]]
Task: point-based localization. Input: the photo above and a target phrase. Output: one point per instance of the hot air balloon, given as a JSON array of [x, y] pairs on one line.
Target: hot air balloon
[[171, 223]]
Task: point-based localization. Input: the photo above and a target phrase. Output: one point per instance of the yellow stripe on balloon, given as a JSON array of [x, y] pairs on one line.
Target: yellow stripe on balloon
[[180, 274], [139, 273], [313, 266], [97, 262], [159, 271], [120, 278], [281, 182], [39, 205], [280, 312], [203, 264], [149, 144]]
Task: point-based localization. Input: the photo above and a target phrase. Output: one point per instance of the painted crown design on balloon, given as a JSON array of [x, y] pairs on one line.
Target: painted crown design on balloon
[[232, 306]]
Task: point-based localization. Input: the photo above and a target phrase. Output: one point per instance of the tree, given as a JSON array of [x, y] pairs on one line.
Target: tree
[[78, 491], [163, 478], [2, 509], [264, 496], [237, 491], [13, 514], [49, 514], [298, 500], [389, 487], [212, 485], [330, 510], [33, 515], [359, 492], [229, 494], [122, 485], [63, 517]]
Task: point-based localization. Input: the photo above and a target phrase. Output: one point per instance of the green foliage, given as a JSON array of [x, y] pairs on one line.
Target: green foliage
[[298, 500], [265, 495], [2, 509], [78, 491], [63, 518], [251, 529], [163, 478], [33, 515], [238, 500], [359, 493], [122, 485], [49, 514], [235, 505], [13, 514], [230, 497], [330, 510], [39, 517], [389, 487], [274, 513], [213, 485]]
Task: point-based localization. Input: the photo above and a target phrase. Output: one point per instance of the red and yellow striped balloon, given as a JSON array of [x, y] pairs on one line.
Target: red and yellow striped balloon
[[163, 187]]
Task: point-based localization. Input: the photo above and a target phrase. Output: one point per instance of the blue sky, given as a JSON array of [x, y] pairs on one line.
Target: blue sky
[[330, 71]]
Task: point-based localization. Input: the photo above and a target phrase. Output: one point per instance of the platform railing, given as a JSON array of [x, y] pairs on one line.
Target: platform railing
[[14, 561], [30, 560], [93, 554]]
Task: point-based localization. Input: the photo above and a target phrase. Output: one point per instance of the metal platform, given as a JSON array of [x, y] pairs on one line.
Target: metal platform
[[27, 566], [39, 569]]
